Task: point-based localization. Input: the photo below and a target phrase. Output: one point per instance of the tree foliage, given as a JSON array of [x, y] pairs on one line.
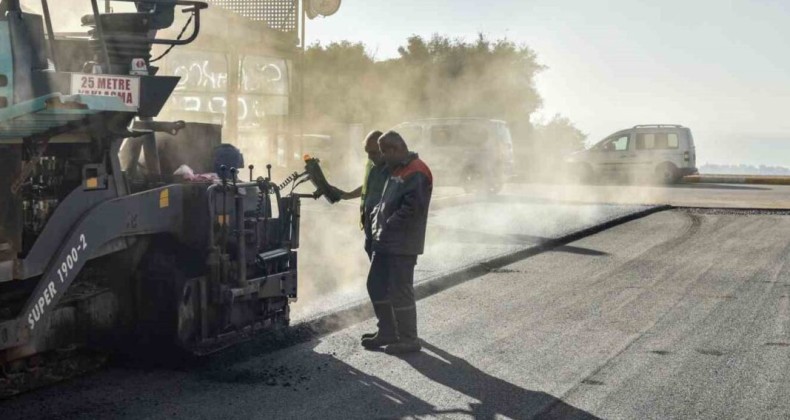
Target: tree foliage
[[436, 77], [439, 77], [339, 81], [545, 149], [561, 133]]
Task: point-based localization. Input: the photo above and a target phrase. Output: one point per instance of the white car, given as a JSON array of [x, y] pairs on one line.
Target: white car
[[664, 153]]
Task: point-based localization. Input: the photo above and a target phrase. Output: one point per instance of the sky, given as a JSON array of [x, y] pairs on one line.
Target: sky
[[721, 67]]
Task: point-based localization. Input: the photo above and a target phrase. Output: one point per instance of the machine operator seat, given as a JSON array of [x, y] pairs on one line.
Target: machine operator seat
[[160, 15], [136, 29]]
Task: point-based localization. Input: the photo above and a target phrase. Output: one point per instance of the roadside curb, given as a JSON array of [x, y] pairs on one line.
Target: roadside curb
[[737, 179], [361, 310]]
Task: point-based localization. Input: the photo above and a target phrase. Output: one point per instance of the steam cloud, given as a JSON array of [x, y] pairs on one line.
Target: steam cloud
[[350, 93]]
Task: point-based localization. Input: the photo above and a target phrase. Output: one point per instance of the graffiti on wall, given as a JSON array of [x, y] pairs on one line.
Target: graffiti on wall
[[263, 85]]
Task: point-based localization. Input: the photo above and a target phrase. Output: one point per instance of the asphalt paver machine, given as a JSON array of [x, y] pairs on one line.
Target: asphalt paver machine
[[99, 244]]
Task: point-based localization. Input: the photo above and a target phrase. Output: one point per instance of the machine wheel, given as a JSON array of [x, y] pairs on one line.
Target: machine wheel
[[667, 173], [187, 304], [167, 302], [470, 180]]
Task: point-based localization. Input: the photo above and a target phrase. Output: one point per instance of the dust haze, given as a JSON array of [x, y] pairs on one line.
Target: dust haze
[[347, 93]]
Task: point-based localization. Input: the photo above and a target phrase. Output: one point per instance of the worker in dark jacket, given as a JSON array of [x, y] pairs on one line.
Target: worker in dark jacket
[[398, 230], [376, 174]]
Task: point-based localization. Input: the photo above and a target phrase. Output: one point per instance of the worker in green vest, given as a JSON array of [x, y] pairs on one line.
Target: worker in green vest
[[376, 175]]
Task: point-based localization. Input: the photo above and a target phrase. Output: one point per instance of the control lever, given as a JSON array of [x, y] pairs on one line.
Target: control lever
[[241, 249], [168, 127], [316, 176], [223, 176], [234, 176]]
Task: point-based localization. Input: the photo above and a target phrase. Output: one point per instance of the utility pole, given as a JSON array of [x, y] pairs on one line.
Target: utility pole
[[303, 41], [310, 9]]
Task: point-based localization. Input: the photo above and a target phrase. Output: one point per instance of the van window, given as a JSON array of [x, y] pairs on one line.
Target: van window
[[442, 135], [615, 144], [459, 135], [645, 141], [473, 134], [661, 141], [503, 135], [672, 141], [412, 134]]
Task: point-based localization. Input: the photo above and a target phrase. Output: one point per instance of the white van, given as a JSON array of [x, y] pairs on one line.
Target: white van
[[474, 153], [659, 152]]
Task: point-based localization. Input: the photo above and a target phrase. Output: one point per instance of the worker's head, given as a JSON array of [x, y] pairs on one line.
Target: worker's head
[[393, 148], [372, 147]]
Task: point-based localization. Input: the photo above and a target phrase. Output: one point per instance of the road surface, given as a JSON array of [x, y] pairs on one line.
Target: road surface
[[463, 230], [682, 314], [467, 229]]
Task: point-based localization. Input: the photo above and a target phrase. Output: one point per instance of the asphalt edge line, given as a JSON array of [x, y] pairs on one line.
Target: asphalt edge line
[[747, 211], [359, 311], [737, 179]]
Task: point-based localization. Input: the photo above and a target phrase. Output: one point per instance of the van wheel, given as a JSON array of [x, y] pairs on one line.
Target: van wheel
[[667, 173], [583, 174], [496, 187], [474, 180]]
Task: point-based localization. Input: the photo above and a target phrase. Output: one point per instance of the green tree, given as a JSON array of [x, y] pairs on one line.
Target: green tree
[[436, 77], [444, 77], [549, 143], [440, 77], [338, 82]]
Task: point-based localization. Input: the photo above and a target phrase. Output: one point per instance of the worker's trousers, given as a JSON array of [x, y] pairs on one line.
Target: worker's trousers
[[391, 290]]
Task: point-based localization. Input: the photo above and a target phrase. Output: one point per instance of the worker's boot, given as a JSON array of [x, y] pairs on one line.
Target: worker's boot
[[408, 342], [387, 333]]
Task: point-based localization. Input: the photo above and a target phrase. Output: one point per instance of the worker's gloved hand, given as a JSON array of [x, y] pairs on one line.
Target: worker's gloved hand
[[340, 193], [344, 195]]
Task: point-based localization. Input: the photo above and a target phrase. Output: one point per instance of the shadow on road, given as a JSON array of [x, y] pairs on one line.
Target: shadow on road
[[297, 382], [459, 235], [532, 200], [496, 396], [337, 390]]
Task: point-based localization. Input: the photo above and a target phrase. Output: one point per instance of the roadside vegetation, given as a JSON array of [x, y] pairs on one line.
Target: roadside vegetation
[[438, 77]]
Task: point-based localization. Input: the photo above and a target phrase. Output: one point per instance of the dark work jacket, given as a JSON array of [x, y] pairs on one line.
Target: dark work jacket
[[400, 218], [377, 178]]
